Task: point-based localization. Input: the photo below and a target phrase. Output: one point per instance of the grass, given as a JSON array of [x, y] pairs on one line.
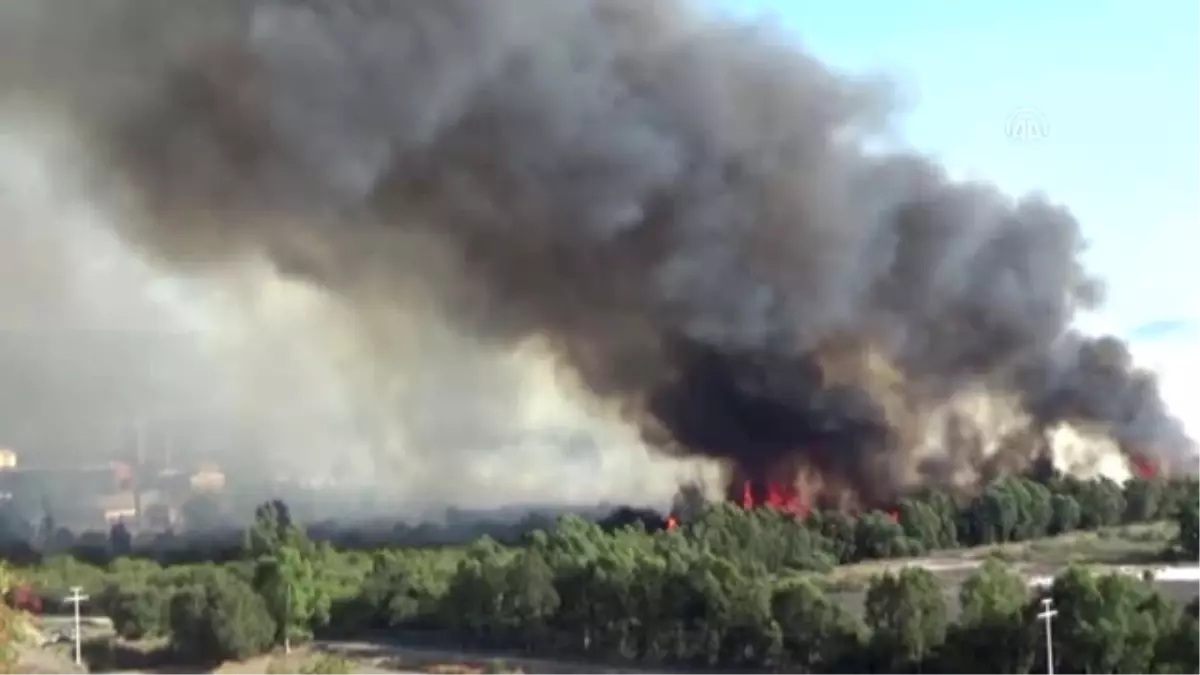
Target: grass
[[1139, 544]]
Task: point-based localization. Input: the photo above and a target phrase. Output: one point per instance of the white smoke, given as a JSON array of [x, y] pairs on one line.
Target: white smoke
[[409, 410], [1087, 453], [985, 423]]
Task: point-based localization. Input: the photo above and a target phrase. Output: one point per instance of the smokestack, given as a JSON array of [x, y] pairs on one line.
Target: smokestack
[[680, 207]]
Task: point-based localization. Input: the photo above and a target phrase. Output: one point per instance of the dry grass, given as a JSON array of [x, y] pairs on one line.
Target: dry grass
[[1123, 545]]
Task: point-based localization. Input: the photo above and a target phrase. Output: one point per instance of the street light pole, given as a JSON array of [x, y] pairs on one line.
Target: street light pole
[[1047, 614], [77, 597]]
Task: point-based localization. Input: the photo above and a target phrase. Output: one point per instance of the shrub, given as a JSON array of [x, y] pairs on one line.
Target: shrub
[[220, 619]]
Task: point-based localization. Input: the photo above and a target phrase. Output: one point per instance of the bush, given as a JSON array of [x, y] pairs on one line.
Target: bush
[[220, 619], [136, 612], [327, 664]]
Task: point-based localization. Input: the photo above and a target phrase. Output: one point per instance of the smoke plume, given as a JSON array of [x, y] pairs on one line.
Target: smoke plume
[[677, 208]]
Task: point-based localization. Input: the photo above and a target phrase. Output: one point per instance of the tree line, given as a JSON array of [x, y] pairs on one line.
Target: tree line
[[726, 588]]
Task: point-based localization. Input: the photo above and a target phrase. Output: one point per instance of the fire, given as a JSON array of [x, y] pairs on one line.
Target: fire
[[777, 496], [672, 522], [1143, 468], [894, 515]]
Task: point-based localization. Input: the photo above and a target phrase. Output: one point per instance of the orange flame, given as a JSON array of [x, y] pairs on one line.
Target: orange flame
[[672, 522], [779, 497], [1143, 468]]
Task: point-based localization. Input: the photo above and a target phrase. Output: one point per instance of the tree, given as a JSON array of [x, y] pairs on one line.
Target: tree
[[993, 632], [921, 523], [220, 619], [295, 591], [817, 634], [947, 512], [1188, 518], [136, 612], [1178, 647], [1101, 503], [1064, 514], [1108, 624], [529, 601], [837, 532], [991, 517], [877, 535], [907, 616], [473, 605], [271, 528], [1034, 508], [13, 621], [1143, 498], [120, 541], [286, 572]]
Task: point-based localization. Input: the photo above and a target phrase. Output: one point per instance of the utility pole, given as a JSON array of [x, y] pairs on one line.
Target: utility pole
[[287, 619], [1047, 614], [77, 597]]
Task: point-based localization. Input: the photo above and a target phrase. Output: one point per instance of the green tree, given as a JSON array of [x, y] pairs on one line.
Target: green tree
[[1143, 498], [993, 632], [136, 612], [877, 536], [922, 523], [907, 616], [947, 511], [294, 587], [220, 619], [836, 530], [1178, 647], [818, 634], [1108, 624], [287, 572], [474, 601], [271, 529], [1101, 503], [992, 516], [1064, 514], [1188, 518], [529, 601]]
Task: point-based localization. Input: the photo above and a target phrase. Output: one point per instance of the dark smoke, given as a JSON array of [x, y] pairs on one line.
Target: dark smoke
[[680, 206]]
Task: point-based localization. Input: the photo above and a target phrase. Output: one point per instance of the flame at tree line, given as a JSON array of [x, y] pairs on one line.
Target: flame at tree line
[[784, 498], [1143, 468], [793, 501], [776, 496]]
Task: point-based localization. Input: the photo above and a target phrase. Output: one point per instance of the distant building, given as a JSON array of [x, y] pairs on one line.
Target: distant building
[[208, 479], [98, 496], [78, 497], [121, 507]]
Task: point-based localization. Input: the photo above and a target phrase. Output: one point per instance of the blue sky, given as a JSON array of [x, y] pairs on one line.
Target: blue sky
[[1118, 87]]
